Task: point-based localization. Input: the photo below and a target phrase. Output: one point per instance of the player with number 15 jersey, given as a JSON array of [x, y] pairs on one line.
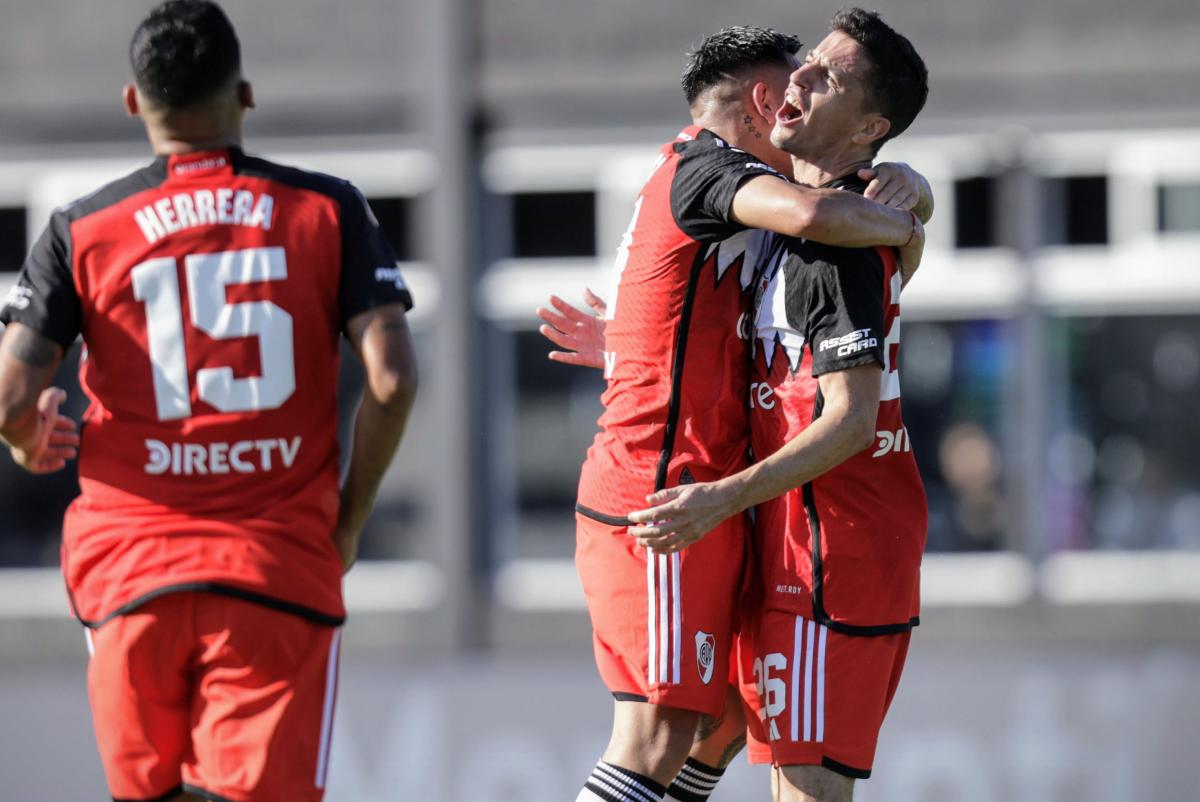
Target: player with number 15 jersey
[[210, 289]]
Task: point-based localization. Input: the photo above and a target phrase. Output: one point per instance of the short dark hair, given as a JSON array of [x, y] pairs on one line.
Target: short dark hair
[[183, 52], [731, 50], [897, 83]]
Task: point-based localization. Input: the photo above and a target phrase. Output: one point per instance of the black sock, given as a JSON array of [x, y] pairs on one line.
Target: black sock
[[610, 783], [695, 782]]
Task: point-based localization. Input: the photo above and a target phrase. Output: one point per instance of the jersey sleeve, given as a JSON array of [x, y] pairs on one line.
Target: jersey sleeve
[[709, 174], [45, 298], [839, 308], [370, 277]]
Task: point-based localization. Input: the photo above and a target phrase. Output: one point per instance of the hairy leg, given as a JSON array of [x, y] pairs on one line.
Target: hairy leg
[[720, 738], [812, 784], [651, 739]]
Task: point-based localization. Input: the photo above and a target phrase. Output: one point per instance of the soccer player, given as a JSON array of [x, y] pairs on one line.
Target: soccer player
[[677, 365], [205, 552], [840, 508]]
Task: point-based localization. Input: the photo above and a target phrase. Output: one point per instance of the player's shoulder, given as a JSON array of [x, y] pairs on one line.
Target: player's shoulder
[[297, 177], [144, 178], [698, 148]]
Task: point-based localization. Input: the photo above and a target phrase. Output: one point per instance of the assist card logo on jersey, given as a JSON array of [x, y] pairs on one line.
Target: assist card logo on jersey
[[706, 655], [18, 298]]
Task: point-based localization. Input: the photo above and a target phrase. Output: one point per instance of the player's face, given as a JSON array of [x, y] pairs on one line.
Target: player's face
[[823, 105]]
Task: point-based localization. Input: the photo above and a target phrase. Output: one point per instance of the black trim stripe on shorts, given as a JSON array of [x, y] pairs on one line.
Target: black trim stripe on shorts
[[165, 797], [209, 795], [316, 616], [818, 582], [844, 770]]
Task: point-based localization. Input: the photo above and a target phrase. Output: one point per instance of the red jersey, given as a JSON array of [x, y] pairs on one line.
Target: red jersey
[[676, 360], [845, 549], [210, 289]]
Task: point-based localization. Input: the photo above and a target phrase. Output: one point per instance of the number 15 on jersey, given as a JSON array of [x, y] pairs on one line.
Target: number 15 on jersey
[[156, 284]]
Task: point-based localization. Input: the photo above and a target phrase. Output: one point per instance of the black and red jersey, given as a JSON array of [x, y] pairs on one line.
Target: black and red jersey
[[844, 549], [210, 289], [676, 362]]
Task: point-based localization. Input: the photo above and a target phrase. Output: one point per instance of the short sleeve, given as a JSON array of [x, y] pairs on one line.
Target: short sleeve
[[370, 277], [45, 298], [709, 174], [838, 306]]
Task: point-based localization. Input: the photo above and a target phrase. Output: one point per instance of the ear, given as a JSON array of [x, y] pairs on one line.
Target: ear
[[874, 128], [245, 93], [762, 102], [129, 99]]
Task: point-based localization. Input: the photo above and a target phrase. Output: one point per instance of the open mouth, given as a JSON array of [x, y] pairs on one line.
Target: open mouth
[[789, 112]]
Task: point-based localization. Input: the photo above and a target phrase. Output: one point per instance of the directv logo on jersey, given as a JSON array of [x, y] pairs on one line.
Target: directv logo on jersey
[[245, 456], [390, 275], [18, 298], [851, 343]]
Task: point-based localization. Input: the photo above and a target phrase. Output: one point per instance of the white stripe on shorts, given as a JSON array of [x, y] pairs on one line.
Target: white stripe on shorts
[[331, 669], [651, 616]]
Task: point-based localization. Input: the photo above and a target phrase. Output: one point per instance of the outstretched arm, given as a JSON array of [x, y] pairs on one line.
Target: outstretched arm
[[381, 338], [684, 514], [39, 438]]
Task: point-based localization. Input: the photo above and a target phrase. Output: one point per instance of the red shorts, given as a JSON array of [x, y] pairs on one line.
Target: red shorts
[[213, 695], [662, 626], [815, 697]]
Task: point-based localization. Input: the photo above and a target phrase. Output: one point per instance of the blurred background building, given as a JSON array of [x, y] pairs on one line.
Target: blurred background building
[[1051, 376]]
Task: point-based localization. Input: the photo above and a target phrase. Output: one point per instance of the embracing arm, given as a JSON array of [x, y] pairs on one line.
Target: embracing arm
[[831, 216], [684, 514], [381, 339], [39, 438]]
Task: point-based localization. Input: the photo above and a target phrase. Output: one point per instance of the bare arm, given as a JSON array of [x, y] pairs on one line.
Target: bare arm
[[684, 514], [832, 216], [39, 438], [381, 338]]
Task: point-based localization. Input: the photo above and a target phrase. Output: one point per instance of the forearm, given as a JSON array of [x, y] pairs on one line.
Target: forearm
[[27, 365], [851, 221], [828, 442], [377, 432]]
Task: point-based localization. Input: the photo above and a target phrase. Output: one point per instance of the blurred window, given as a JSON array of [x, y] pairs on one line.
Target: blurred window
[[1179, 207], [556, 410], [952, 378], [1121, 460], [12, 238], [1077, 210], [975, 212], [554, 224]]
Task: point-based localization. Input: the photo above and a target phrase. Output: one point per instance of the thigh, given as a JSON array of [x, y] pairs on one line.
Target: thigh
[[262, 717], [662, 624], [140, 695], [822, 696]]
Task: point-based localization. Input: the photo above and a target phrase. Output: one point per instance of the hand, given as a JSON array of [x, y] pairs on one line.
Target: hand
[[909, 255], [893, 184], [681, 516], [56, 439], [580, 335]]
